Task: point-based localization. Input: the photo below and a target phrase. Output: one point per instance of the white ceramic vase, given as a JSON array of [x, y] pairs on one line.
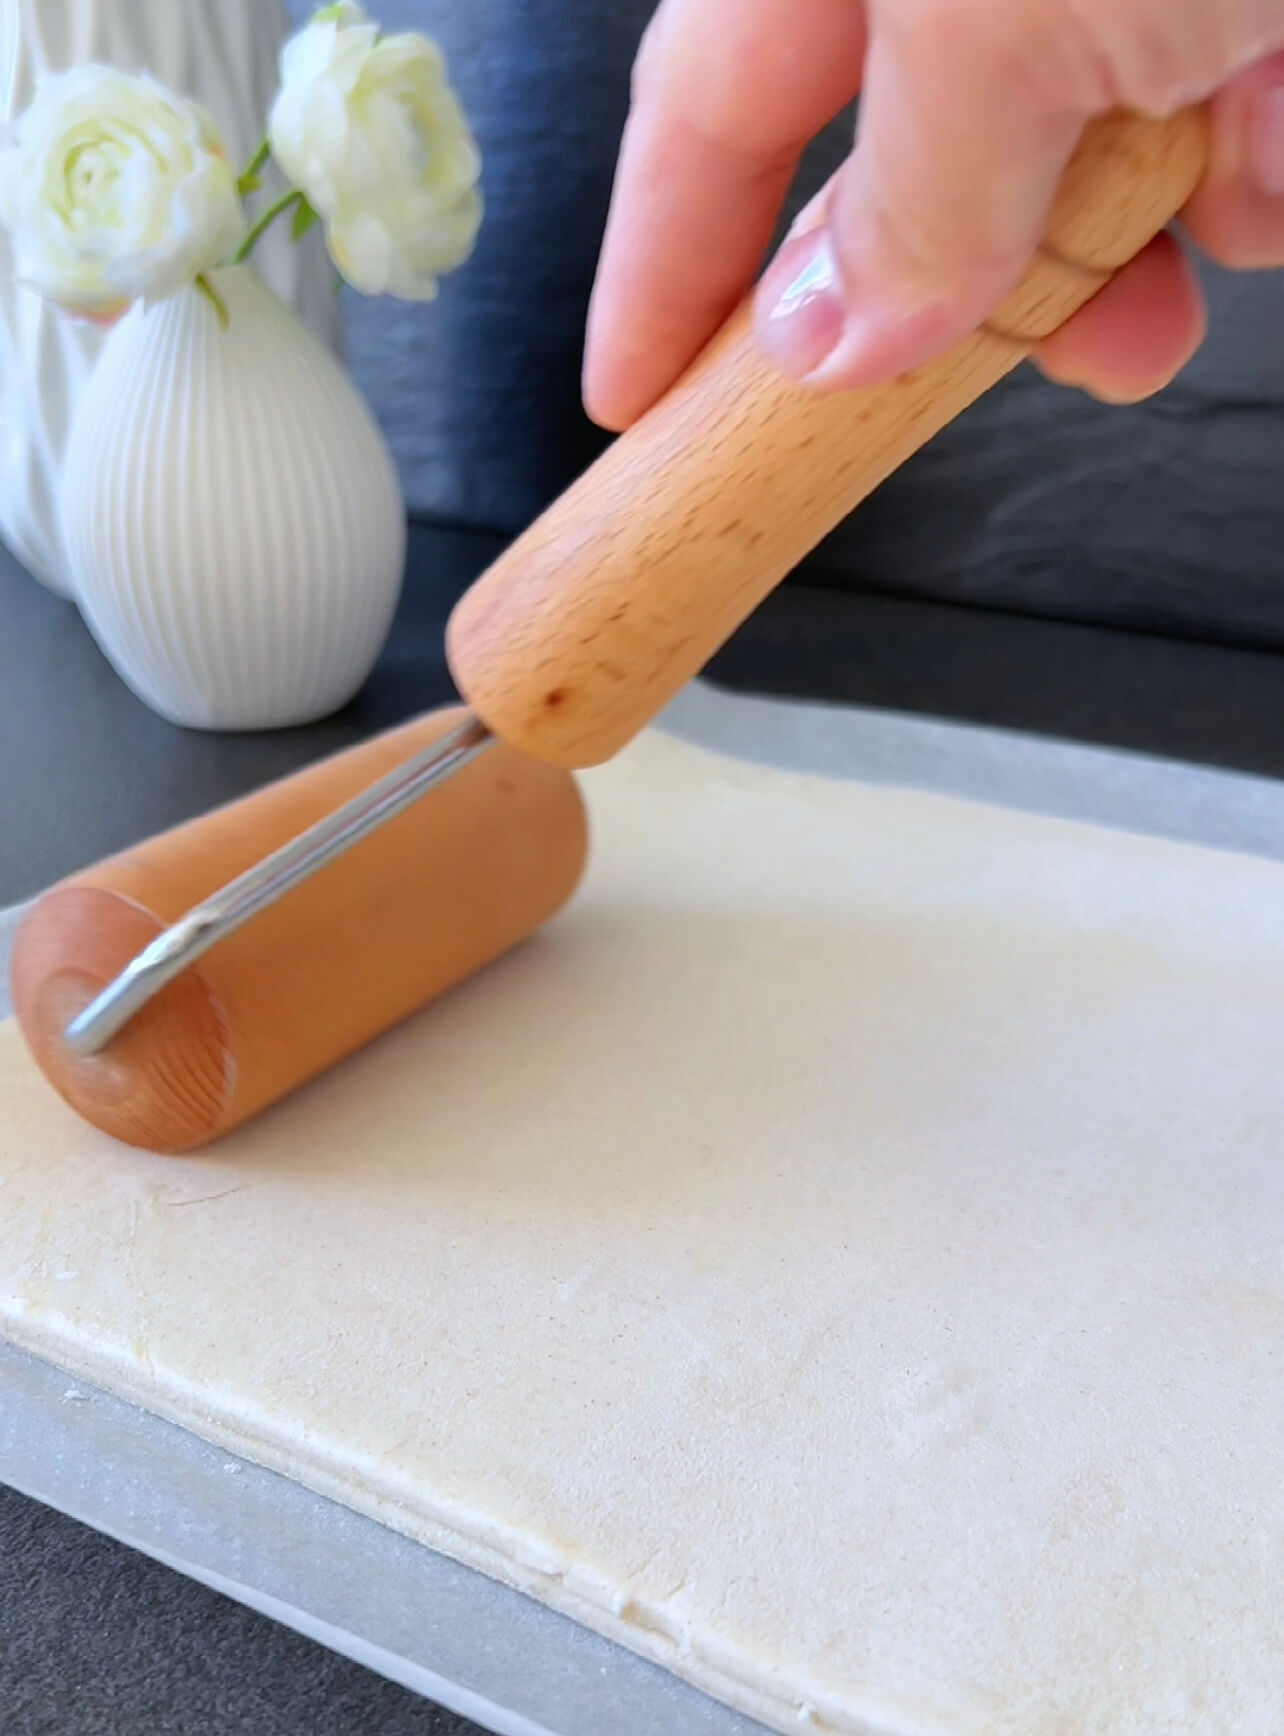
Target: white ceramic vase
[[224, 53], [232, 517]]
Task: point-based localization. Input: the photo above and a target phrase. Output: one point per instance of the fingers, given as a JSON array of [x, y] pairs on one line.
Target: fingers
[[970, 114], [1135, 336], [1237, 217], [727, 95], [969, 117]]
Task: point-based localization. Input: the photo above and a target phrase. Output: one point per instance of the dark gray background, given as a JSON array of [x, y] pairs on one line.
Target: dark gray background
[[98, 1641], [1166, 517]]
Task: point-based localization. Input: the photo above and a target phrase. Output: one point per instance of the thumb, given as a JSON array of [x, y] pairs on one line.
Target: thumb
[[968, 120]]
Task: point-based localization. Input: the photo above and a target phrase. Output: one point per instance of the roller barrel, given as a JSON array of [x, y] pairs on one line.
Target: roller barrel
[[622, 591], [441, 891]]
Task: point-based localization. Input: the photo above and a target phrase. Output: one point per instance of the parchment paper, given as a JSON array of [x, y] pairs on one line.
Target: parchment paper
[[842, 1261]]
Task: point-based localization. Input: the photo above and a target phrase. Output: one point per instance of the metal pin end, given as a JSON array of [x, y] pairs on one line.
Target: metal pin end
[[172, 952]]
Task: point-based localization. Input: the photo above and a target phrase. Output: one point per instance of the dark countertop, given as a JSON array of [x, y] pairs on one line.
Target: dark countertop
[[97, 1641], [86, 769]]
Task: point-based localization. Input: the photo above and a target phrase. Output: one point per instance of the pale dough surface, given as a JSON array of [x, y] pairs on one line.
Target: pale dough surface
[[843, 1258]]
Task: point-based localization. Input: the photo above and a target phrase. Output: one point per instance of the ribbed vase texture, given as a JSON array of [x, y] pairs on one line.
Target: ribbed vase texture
[[224, 53], [232, 517]]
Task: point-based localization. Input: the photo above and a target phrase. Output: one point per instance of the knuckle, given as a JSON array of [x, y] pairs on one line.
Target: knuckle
[[1155, 57], [1042, 47], [1086, 56]]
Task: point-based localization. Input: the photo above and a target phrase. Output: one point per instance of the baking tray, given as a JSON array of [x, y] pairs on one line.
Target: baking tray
[[438, 1629]]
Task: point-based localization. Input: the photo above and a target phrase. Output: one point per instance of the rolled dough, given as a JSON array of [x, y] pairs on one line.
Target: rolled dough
[[842, 1259]]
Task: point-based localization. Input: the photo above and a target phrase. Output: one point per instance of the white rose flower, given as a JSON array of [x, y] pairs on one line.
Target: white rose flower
[[367, 127], [114, 190]]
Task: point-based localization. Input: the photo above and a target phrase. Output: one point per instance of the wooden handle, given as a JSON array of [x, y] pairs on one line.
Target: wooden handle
[[622, 591], [417, 907]]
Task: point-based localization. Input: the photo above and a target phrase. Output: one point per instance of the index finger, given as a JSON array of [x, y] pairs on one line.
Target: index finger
[[727, 95]]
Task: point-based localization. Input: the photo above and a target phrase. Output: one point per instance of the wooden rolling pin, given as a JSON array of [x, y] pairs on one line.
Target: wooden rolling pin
[[626, 587], [431, 898], [567, 648]]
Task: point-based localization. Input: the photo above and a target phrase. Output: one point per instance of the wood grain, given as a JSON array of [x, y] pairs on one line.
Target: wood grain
[[621, 592], [419, 906]]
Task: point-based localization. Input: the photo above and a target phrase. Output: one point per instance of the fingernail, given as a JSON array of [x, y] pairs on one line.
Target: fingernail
[[803, 311], [1266, 140]]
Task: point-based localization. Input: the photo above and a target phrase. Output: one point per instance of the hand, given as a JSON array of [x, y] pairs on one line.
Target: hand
[[970, 111]]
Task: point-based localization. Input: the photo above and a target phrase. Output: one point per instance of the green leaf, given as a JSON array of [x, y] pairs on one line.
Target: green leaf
[[305, 219]]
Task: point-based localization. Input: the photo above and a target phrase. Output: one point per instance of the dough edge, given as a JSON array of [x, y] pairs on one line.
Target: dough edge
[[645, 1632]]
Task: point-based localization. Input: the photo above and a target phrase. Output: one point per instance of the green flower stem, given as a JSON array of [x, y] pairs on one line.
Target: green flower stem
[[265, 222], [249, 181], [215, 300]]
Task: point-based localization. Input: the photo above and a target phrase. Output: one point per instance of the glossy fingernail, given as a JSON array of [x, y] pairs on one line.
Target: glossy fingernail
[[802, 310], [1266, 140]]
